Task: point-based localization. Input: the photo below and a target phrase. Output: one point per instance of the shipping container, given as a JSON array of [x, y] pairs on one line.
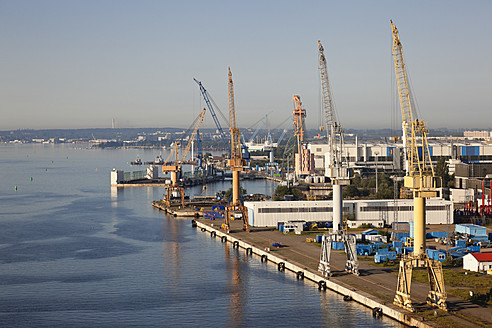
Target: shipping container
[[471, 229], [337, 245], [397, 244]]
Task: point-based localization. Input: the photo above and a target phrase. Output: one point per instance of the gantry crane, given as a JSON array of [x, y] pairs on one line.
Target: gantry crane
[[175, 167], [235, 208], [337, 170], [421, 180]]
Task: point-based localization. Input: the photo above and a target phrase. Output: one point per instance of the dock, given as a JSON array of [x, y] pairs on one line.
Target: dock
[[374, 288]]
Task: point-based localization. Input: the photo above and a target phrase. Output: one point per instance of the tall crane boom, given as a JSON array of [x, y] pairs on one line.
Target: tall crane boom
[[339, 174], [236, 162], [421, 180], [416, 148], [210, 107], [334, 131], [408, 113], [193, 135], [328, 107]]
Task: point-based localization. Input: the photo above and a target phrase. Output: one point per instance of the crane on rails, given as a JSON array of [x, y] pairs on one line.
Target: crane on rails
[[235, 209], [419, 178], [339, 173], [175, 191]]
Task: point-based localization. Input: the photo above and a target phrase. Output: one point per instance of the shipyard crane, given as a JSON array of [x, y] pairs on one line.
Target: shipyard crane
[[421, 180], [337, 170], [299, 115], [206, 97], [235, 208], [260, 125], [175, 167]]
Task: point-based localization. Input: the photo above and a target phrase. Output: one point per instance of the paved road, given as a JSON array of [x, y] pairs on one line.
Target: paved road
[[377, 281]]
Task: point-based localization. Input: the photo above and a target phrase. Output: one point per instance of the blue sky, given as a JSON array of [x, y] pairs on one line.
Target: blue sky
[[74, 64]]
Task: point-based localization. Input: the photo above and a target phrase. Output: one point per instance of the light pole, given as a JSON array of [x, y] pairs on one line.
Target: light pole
[[376, 153]]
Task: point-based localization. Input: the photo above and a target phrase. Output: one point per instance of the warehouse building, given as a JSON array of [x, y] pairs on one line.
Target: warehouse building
[[270, 213]]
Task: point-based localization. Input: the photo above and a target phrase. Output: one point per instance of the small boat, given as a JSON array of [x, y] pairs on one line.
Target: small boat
[[137, 161]]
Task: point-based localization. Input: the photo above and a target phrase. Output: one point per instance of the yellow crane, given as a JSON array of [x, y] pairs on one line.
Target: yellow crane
[[421, 180], [175, 167], [235, 209]]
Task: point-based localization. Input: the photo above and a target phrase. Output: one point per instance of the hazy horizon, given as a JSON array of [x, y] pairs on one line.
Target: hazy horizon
[[69, 64]]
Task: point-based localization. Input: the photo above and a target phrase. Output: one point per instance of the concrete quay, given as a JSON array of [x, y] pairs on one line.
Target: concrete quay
[[374, 288]]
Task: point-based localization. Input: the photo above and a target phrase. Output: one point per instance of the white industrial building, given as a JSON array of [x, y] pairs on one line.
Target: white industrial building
[[389, 155], [478, 262], [270, 213]]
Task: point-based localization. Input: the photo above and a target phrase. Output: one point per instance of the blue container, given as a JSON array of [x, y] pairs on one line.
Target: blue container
[[439, 234], [381, 257], [460, 243], [400, 235], [480, 238], [471, 229], [319, 238], [392, 255], [280, 226], [407, 250], [397, 244], [383, 250], [337, 245], [436, 255]]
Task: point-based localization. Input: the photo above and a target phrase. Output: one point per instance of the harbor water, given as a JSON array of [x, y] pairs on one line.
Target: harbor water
[[75, 252]]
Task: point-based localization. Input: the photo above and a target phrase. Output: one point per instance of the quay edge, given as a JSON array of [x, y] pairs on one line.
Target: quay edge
[[356, 295]]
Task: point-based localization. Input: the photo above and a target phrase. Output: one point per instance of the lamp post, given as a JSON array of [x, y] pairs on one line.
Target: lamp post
[[376, 153]]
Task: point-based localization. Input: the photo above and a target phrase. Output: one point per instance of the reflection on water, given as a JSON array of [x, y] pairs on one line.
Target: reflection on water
[[76, 252], [237, 297]]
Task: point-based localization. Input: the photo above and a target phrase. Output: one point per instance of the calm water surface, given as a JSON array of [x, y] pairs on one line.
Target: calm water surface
[[75, 252]]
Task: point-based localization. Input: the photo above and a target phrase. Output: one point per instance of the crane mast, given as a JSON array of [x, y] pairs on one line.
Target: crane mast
[[421, 180], [236, 162], [299, 116], [333, 129], [336, 169], [210, 107], [175, 168], [339, 174]]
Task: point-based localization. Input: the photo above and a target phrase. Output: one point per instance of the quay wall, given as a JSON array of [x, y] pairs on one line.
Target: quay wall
[[356, 295]]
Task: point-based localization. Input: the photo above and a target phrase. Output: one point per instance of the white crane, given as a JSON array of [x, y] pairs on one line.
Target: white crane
[[337, 170]]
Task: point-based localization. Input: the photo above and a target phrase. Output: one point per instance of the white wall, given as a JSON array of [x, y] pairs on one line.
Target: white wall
[[268, 214]]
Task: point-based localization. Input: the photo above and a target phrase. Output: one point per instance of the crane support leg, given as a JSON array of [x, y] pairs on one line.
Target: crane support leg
[[352, 263], [324, 261], [236, 212], [402, 297], [437, 293]]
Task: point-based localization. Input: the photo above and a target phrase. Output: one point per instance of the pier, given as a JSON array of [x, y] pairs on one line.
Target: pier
[[374, 288]]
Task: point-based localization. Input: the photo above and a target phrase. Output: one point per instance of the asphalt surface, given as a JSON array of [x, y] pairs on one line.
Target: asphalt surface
[[378, 281]]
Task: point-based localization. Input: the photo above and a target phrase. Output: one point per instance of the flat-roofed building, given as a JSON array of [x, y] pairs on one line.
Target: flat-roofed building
[[270, 213]]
